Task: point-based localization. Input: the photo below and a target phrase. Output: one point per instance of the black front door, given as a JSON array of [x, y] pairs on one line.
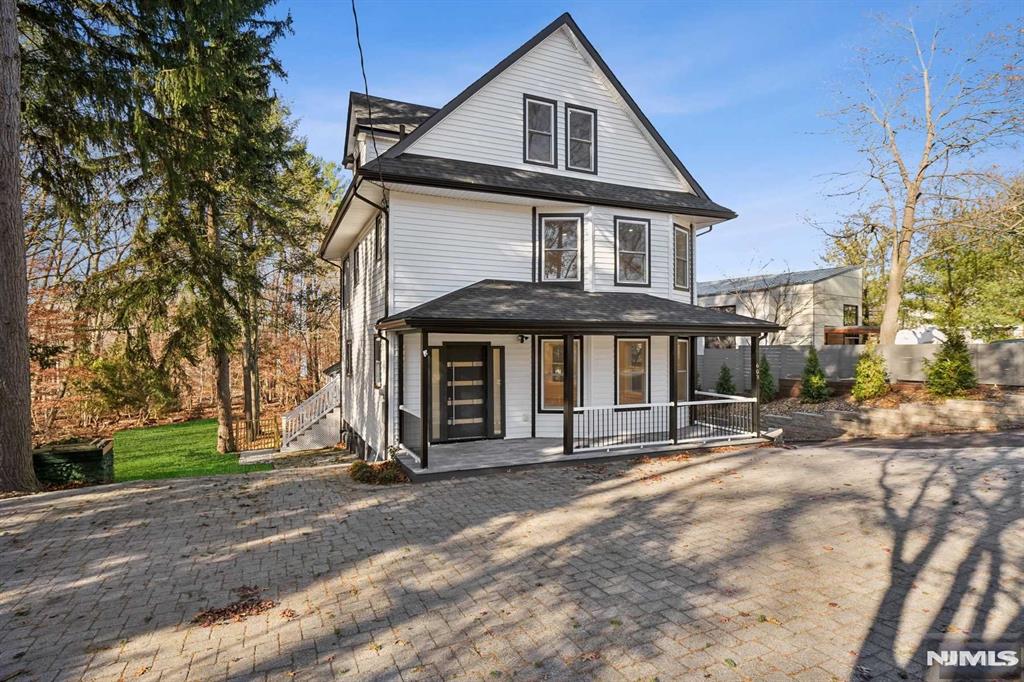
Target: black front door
[[465, 391]]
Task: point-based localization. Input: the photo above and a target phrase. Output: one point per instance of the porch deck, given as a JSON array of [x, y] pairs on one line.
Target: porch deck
[[480, 456]]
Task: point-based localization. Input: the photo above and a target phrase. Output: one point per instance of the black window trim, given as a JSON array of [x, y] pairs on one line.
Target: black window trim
[[631, 337], [622, 218], [593, 137], [579, 244], [540, 374], [355, 266], [344, 283], [689, 257], [348, 357], [554, 130], [856, 314], [378, 359]]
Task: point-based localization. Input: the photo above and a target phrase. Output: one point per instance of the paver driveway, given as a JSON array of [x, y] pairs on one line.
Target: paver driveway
[[757, 564]]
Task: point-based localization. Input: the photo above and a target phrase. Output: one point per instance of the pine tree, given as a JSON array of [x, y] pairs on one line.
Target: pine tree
[[16, 472], [813, 386], [725, 385], [950, 372]]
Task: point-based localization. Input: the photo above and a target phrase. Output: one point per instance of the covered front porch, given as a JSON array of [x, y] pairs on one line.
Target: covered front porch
[[482, 392]]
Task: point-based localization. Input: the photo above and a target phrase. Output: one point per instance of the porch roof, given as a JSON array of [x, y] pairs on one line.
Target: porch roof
[[502, 306]]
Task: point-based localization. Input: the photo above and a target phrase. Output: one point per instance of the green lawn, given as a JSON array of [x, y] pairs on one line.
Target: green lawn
[[174, 451]]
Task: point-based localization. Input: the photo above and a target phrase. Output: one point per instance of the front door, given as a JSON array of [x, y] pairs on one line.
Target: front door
[[465, 391]]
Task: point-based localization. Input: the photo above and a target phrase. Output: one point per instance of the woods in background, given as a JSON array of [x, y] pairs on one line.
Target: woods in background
[[171, 214]]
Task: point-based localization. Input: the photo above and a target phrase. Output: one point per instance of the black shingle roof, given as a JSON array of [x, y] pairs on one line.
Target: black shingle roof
[[481, 177], [388, 114], [737, 285], [501, 305]]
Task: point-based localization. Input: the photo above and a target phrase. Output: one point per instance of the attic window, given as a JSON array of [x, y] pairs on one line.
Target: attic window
[[580, 139], [538, 131]]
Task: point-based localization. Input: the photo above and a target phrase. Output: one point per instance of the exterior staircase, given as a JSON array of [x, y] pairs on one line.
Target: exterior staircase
[[315, 422]]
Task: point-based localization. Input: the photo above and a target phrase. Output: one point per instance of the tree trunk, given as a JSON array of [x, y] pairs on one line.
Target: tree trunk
[[221, 357], [16, 472], [897, 274]]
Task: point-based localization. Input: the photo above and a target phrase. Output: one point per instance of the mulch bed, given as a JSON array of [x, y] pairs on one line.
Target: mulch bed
[[900, 394]]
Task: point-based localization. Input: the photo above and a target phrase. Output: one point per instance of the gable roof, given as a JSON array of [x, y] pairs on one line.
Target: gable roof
[[386, 115], [481, 177], [504, 305], [567, 21], [737, 285]]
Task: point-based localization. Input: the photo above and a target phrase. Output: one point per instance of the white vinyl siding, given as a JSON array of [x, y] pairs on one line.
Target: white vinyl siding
[[361, 402], [440, 245], [488, 127]]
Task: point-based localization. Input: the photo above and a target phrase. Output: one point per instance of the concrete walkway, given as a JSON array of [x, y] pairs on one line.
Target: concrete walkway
[[815, 563]]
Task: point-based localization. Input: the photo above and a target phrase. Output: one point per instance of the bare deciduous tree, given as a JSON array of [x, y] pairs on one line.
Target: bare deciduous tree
[[922, 115]]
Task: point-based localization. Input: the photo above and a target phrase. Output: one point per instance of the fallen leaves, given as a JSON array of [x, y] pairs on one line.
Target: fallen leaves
[[248, 604]]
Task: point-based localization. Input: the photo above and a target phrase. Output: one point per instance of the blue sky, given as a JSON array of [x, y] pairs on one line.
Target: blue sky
[[738, 89]]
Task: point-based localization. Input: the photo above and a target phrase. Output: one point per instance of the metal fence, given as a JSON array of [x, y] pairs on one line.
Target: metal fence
[[994, 363]]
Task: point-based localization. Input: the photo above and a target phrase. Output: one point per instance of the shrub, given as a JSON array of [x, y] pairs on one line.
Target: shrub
[[765, 380], [813, 386], [870, 378], [950, 372], [382, 473], [724, 385]]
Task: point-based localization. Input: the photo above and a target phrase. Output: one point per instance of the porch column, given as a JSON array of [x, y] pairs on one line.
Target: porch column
[[568, 390], [424, 399], [755, 381], [673, 389]]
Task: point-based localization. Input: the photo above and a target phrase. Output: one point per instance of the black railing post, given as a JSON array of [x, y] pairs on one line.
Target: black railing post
[[424, 398], [568, 392], [673, 389], [755, 382]]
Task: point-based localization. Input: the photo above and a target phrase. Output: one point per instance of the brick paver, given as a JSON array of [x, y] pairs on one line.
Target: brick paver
[[815, 563]]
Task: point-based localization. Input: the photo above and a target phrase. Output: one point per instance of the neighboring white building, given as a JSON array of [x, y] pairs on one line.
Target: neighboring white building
[[816, 307], [537, 206]]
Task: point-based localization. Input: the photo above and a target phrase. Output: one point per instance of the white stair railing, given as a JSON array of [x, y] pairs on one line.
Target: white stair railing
[[310, 411]]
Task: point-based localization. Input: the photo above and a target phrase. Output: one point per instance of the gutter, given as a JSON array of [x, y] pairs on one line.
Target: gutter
[[492, 189]]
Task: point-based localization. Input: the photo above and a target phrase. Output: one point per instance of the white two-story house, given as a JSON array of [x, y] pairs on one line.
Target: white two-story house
[[517, 273]]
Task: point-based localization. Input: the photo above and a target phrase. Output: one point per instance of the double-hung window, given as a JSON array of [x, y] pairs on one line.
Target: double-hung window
[[348, 357], [539, 131], [562, 242], [552, 371], [378, 353], [580, 139], [632, 251], [632, 361], [681, 273], [355, 266]]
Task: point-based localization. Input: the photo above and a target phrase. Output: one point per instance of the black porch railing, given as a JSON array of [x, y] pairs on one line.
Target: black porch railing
[[606, 428]]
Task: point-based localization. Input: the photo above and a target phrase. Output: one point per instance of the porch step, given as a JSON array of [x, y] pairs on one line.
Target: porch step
[[324, 433]]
